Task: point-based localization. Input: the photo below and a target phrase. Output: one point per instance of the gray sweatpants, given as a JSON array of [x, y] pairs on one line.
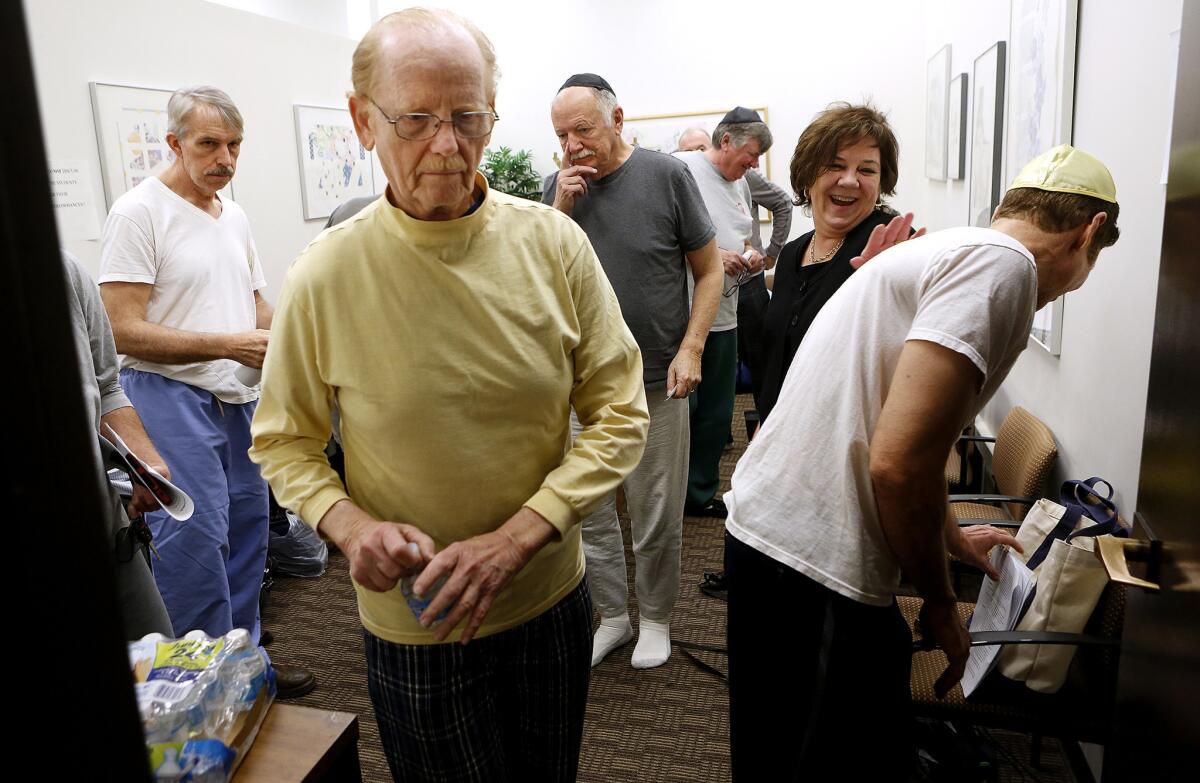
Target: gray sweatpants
[[654, 494]]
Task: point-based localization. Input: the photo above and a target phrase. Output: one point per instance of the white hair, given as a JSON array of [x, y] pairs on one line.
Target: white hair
[[742, 132], [184, 101]]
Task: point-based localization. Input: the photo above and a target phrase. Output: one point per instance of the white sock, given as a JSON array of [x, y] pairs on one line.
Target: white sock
[[611, 634], [653, 645]]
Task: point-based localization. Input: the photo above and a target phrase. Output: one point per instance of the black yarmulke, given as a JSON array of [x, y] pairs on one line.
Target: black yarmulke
[[588, 80]]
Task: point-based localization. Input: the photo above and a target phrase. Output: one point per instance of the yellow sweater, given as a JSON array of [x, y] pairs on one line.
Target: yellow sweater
[[454, 351]]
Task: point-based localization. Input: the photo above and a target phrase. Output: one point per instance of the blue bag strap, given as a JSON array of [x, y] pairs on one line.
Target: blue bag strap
[[1086, 498], [1060, 532], [1080, 499]]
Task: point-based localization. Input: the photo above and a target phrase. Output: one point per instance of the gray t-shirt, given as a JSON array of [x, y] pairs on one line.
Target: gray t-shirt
[[641, 219], [95, 349]]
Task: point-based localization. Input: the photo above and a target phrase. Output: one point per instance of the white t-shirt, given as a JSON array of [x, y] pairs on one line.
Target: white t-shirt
[[204, 270], [802, 492], [728, 205]]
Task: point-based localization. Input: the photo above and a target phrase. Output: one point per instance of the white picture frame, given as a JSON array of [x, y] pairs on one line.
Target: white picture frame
[[131, 136], [1041, 79], [956, 129], [334, 165], [987, 135], [1041, 94], [937, 94]]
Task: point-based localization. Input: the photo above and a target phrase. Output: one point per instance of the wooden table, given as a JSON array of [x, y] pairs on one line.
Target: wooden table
[[298, 744]]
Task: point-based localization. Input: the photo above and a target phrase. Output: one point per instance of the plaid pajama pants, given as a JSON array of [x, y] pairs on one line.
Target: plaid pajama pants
[[507, 707]]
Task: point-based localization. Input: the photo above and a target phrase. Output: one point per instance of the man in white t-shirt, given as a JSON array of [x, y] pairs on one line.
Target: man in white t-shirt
[[738, 141], [843, 487], [181, 280]]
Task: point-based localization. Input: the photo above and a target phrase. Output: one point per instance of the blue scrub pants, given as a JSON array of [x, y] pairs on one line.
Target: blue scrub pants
[[211, 570]]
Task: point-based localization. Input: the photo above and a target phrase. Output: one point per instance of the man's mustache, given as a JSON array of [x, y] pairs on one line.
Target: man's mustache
[[436, 165], [583, 153], [220, 171]]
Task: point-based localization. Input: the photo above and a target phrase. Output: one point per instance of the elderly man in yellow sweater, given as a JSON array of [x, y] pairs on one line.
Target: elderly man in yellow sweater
[[454, 328]]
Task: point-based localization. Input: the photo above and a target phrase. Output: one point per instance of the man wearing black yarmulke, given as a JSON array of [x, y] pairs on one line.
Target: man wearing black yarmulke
[[646, 219]]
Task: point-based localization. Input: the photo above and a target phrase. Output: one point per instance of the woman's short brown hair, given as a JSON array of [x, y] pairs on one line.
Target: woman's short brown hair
[[840, 124]]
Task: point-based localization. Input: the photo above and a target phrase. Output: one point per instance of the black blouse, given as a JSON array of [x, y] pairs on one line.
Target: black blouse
[[798, 295]]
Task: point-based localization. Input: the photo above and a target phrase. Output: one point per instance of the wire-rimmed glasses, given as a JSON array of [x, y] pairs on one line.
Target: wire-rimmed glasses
[[418, 126]]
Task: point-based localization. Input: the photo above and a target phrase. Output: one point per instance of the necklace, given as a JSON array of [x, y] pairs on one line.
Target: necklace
[[812, 251]]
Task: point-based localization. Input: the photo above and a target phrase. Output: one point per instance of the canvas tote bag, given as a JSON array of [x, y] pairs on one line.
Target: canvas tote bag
[[1059, 544]]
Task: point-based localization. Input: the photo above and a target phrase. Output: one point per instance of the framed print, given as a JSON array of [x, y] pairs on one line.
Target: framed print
[[1041, 89], [987, 135], [1041, 82], [334, 166], [937, 93], [131, 136], [956, 128]]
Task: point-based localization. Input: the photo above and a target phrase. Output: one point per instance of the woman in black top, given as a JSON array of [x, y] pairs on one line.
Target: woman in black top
[[844, 163]]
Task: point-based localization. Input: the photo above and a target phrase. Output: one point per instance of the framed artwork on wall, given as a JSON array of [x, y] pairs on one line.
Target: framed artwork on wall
[[956, 128], [661, 132], [937, 93], [987, 135], [131, 136], [1041, 89], [334, 166], [1041, 82]]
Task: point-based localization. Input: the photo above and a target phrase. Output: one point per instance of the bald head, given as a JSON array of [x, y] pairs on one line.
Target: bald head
[[416, 32], [694, 139]]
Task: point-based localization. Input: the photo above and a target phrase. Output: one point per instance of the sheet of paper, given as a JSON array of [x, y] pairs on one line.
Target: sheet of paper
[[998, 609], [71, 193]]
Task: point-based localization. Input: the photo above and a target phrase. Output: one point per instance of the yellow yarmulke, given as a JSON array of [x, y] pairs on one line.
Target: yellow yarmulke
[[1065, 169]]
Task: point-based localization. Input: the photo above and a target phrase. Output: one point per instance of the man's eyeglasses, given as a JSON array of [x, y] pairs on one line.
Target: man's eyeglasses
[[743, 277], [420, 126]]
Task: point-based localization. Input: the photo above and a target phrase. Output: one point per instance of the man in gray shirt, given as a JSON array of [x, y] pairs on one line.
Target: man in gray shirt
[[644, 216], [142, 607]]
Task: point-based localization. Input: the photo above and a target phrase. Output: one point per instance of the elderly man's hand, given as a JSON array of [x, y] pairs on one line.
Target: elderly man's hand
[[732, 261], [885, 236], [683, 376], [143, 499], [477, 569], [380, 553], [571, 185], [755, 263]]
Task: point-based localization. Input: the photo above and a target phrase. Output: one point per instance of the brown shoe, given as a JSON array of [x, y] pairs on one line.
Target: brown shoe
[[292, 681]]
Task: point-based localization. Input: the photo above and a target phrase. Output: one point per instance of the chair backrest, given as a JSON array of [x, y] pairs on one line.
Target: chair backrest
[[1024, 454]]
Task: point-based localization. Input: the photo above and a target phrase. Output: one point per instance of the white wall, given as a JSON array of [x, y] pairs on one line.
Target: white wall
[[667, 57], [326, 16], [265, 66], [1093, 396]]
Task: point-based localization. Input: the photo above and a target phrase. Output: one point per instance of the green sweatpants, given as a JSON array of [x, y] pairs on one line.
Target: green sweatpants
[[711, 412]]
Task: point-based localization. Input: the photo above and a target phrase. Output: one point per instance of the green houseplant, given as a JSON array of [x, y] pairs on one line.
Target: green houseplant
[[512, 172]]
